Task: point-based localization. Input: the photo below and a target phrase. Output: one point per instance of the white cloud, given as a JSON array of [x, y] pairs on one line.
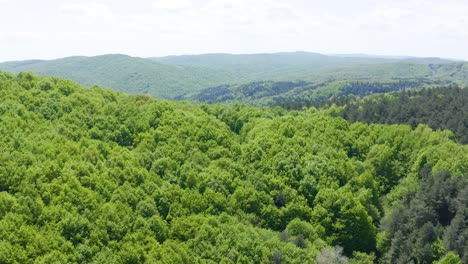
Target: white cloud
[[162, 27], [172, 4], [87, 10], [20, 35]]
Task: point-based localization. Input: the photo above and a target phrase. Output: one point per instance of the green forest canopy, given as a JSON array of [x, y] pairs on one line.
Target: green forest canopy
[[301, 93], [97, 176], [128, 74], [176, 76], [440, 108]]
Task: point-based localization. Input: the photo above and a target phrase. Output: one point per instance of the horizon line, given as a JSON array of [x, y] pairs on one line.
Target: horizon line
[[347, 55]]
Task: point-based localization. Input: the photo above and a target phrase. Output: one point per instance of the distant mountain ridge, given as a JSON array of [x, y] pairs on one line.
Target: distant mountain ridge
[[397, 57], [124, 73], [273, 66], [179, 76]]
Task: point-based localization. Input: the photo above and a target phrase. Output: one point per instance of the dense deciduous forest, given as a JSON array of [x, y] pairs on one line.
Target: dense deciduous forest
[[296, 95], [315, 67], [184, 76], [97, 176], [128, 74], [440, 108]]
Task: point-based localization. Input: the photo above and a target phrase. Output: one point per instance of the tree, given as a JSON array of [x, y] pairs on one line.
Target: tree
[[345, 221]]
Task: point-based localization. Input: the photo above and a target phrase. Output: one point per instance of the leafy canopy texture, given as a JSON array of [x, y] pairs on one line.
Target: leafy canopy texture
[[89, 175]]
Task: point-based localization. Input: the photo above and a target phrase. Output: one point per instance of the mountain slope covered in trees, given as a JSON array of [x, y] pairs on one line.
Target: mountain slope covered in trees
[[300, 93], [128, 74], [295, 65], [179, 76], [455, 72], [316, 68], [96, 176], [440, 108], [270, 65]]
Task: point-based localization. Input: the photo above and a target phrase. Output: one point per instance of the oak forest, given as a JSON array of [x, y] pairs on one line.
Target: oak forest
[[355, 169]]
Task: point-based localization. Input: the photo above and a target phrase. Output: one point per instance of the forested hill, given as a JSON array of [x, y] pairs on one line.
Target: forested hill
[[440, 108], [420, 69], [271, 65], [316, 68], [299, 93], [439, 105], [183, 76], [128, 74], [296, 65], [97, 176]]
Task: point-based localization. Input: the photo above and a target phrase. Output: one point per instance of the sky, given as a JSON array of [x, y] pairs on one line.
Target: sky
[[49, 29]]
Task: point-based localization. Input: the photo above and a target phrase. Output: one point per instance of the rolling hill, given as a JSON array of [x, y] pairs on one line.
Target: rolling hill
[[406, 69], [125, 73], [285, 65], [268, 66], [293, 94], [183, 76], [440, 108], [321, 84]]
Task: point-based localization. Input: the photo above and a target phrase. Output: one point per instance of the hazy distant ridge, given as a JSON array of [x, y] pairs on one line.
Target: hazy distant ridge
[[175, 76]]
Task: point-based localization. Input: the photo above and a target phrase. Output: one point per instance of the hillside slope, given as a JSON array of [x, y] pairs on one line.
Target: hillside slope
[[268, 66], [95, 176], [453, 71], [179, 76], [440, 108], [284, 65], [301, 93], [125, 73]]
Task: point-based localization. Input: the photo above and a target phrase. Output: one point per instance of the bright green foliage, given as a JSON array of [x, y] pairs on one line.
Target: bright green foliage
[[301, 94], [439, 107], [96, 176], [450, 258], [128, 74], [345, 220], [362, 258]]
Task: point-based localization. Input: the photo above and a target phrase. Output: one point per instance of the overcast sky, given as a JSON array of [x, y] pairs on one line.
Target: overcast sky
[[47, 29]]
